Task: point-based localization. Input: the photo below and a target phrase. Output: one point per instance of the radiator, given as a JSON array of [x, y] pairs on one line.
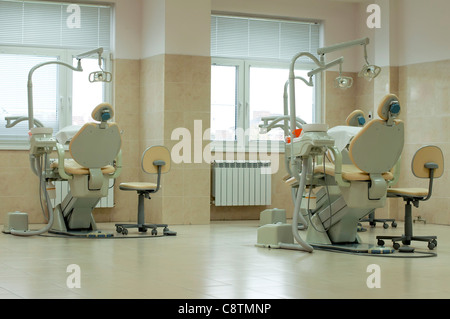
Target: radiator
[[241, 183], [62, 188]]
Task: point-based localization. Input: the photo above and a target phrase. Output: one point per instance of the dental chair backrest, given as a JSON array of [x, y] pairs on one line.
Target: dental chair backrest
[[97, 144], [378, 146]]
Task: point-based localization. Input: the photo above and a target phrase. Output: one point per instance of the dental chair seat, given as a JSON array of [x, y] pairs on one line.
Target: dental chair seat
[[138, 186], [349, 172], [73, 168]]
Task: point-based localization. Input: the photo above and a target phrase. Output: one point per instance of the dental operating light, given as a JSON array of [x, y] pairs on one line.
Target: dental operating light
[[369, 71], [343, 82], [97, 76]]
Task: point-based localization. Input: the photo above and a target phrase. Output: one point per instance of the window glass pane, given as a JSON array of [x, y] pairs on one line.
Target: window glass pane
[[14, 69], [223, 102], [85, 95], [266, 91]]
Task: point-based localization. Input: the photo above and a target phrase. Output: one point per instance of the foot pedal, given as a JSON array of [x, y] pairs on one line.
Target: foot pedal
[[381, 250], [169, 233], [99, 235], [406, 249]]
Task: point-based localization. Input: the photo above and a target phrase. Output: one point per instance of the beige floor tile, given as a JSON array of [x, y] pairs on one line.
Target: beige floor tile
[[213, 261]]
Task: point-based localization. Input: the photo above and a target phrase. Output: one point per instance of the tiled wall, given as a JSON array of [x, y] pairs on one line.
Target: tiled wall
[[19, 190], [424, 92], [175, 92]]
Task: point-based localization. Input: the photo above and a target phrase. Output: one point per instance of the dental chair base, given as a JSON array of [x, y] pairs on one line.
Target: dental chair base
[[74, 214], [279, 236]]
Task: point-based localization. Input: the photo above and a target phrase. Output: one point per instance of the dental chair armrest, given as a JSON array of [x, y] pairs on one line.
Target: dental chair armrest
[[338, 167], [117, 165], [61, 157], [396, 173]]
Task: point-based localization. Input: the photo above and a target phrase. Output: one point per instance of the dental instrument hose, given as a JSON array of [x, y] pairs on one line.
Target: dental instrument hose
[[49, 207], [297, 215]]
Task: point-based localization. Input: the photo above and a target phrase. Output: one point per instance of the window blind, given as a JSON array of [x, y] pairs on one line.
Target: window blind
[[51, 24], [240, 37], [13, 92]]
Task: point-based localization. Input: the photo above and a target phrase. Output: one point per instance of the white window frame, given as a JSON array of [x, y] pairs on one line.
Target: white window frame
[[64, 105], [243, 103]]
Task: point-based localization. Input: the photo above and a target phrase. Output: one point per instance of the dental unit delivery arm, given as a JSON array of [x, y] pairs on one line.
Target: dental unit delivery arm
[[30, 85], [297, 216]]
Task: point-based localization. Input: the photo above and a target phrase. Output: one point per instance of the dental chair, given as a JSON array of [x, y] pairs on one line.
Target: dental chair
[[354, 189], [346, 188], [357, 119], [155, 160], [95, 152], [427, 163]]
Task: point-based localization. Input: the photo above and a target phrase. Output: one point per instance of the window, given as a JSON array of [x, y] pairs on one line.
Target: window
[[35, 32], [250, 68]]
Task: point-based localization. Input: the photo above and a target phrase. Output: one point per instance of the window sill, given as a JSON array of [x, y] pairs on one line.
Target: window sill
[[266, 147], [14, 146]]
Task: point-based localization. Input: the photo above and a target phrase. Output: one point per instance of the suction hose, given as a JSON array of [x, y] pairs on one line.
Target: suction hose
[[49, 207], [297, 215]]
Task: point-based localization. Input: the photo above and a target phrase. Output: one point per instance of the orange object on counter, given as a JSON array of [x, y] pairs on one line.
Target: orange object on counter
[[296, 132]]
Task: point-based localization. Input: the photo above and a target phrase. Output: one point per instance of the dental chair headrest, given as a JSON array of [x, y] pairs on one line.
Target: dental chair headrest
[[103, 112], [356, 118], [389, 107]]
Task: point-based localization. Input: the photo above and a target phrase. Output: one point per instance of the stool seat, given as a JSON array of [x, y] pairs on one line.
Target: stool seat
[[138, 186]]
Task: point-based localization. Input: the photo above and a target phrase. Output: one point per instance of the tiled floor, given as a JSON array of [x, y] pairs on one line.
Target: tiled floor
[[219, 260]]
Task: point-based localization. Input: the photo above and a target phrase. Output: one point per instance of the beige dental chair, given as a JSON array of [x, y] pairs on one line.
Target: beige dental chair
[[357, 119], [155, 160], [373, 152], [96, 158], [427, 163], [357, 183]]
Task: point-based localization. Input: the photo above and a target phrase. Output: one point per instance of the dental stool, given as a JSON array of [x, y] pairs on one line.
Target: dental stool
[[155, 160], [428, 163]]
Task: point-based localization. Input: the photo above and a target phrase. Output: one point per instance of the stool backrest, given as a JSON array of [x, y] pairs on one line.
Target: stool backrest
[[156, 153], [424, 155]]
